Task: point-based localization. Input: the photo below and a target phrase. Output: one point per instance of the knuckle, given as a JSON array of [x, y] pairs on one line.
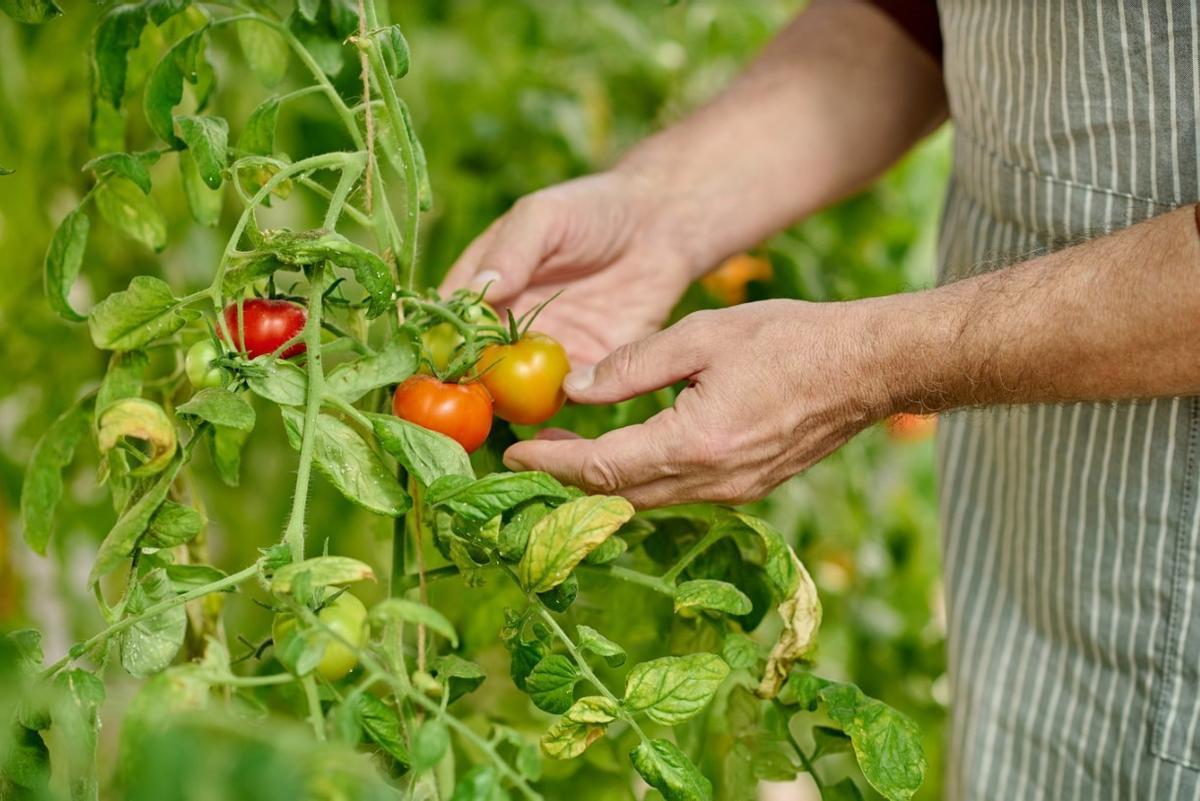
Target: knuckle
[[599, 475]]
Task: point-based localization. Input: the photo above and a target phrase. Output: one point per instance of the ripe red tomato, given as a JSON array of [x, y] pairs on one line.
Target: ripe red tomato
[[462, 412], [525, 378], [266, 324]]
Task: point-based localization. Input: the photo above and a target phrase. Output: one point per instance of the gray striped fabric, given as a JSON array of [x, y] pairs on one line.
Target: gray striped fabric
[[1071, 532]]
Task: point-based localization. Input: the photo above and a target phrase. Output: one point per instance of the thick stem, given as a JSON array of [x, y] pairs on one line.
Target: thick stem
[[294, 535]]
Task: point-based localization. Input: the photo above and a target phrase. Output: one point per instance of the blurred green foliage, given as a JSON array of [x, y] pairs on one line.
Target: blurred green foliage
[[509, 96]]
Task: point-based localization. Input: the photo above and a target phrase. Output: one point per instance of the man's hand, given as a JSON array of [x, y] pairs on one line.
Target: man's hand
[[773, 387], [598, 241]]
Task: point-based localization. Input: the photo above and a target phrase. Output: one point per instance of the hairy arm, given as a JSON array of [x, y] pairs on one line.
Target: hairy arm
[[777, 385], [830, 103]]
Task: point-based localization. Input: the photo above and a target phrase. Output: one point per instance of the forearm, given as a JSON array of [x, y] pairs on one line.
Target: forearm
[[830, 103], [1113, 319]]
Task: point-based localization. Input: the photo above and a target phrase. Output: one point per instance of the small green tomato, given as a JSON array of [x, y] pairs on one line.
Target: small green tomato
[[347, 617], [199, 365]]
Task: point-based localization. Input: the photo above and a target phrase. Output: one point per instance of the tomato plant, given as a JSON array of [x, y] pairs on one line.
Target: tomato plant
[[462, 412], [732, 614]]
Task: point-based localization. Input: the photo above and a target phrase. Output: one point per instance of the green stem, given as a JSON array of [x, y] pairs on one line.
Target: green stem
[[632, 576], [315, 716], [804, 758], [351, 170], [294, 535], [707, 541], [256, 681], [81, 650]]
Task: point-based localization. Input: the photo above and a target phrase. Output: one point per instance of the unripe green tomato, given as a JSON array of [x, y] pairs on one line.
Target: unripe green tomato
[[347, 617], [440, 343], [481, 312], [199, 365]]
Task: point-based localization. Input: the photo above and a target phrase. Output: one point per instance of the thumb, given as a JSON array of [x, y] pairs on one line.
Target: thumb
[[655, 362]]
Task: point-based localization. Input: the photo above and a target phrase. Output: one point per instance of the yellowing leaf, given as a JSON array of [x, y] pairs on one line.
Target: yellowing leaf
[[560, 541], [582, 725], [801, 619]]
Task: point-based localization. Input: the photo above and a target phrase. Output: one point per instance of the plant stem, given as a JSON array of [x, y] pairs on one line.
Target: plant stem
[[79, 651], [294, 535], [804, 758], [632, 576], [710, 538], [315, 716]]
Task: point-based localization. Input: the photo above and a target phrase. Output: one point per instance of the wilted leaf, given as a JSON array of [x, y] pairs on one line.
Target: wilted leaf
[[123, 537], [258, 134], [124, 165], [801, 620], [164, 87], [582, 725], [143, 420], [203, 202]]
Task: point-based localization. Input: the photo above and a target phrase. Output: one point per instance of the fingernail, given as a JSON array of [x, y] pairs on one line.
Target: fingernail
[[485, 277], [580, 379], [513, 465]]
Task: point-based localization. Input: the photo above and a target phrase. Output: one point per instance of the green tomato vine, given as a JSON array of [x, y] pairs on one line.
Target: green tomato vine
[[362, 336]]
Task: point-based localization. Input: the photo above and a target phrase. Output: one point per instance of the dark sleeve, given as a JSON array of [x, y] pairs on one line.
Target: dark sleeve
[[919, 19]]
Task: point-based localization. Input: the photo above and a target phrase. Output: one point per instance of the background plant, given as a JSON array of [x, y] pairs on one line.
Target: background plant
[[580, 96]]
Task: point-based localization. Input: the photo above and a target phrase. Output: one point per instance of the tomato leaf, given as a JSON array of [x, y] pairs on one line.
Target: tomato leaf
[[143, 420], [308, 9], [124, 378], [845, 790], [480, 783], [608, 551], [801, 615], [204, 203], [135, 317], [739, 651], [43, 486], [673, 689], [391, 365], [279, 381], [312, 247], [164, 88], [226, 449], [31, 12], [777, 560], [886, 743], [349, 463], [124, 207], [582, 725], [514, 535], [207, 139], [551, 684], [124, 165], [406, 611], [76, 716], [592, 641], [149, 645], [480, 501], [394, 49], [266, 51], [173, 524], [219, 407], [64, 259], [258, 134], [123, 537], [459, 675], [668, 770], [382, 726], [560, 541], [426, 454], [117, 33], [321, 571], [189, 577], [719, 596]]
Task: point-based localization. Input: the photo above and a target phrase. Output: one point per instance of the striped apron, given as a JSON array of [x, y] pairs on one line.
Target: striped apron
[[1072, 532]]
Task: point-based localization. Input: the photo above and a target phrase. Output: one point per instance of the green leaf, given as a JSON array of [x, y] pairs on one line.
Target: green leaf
[[394, 49], [494, 494], [845, 790], [560, 541], [189, 577], [609, 550], [801, 614], [459, 675], [164, 87], [551, 684], [149, 645], [226, 448], [382, 726], [258, 134], [173, 524], [219, 407], [124, 165], [582, 725], [43, 486], [427, 455], [828, 740], [406, 611], [345, 459], [429, 744], [123, 206], [32, 12], [266, 51], [592, 641], [312, 247], [207, 139], [739, 651], [76, 717], [391, 365], [561, 597], [124, 379], [204, 203], [137, 316], [117, 33], [514, 535], [711, 594], [525, 657], [668, 770], [480, 783], [321, 571], [308, 9], [123, 537], [674, 688], [279, 381], [886, 743], [778, 561]]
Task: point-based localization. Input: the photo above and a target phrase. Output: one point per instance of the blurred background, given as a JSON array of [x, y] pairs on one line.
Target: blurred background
[[508, 96]]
